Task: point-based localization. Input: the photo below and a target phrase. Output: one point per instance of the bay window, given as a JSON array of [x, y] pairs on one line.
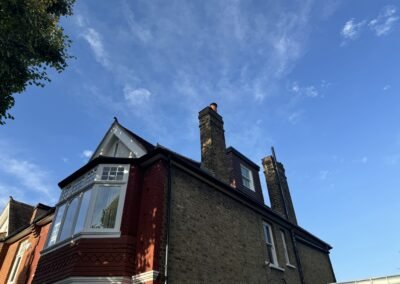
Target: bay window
[[91, 205]]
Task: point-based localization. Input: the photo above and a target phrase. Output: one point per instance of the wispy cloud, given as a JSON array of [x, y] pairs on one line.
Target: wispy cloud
[[96, 44], [139, 31], [205, 52], [386, 87], [351, 30], [136, 97], [310, 91], [27, 179], [87, 153], [295, 117], [383, 23], [23, 178]]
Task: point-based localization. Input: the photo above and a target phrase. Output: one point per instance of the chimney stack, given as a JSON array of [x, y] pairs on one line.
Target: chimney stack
[[278, 189], [212, 139]]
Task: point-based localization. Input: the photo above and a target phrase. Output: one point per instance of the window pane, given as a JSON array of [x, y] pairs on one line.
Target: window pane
[[246, 183], [285, 247], [245, 172], [270, 244], [56, 226], [14, 269], [270, 254], [247, 177], [105, 207], [267, 234], [66, 230], [80, 222], [112, 173]]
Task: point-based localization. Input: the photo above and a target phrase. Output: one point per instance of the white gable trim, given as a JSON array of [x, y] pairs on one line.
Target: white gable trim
[[135, 149], [4, 219]]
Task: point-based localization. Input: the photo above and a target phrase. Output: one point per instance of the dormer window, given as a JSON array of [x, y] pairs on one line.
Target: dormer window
[[91, 205], [247, 177]]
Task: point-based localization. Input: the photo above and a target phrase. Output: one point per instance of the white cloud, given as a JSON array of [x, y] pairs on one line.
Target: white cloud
[[351, 30], [386, 87], [381, 25], [28, 178], [384, 22], [95, 41], [136, 97], [308, 91], [80, 20], [87, 153], [295, 117], [295, 87], [140, 31]]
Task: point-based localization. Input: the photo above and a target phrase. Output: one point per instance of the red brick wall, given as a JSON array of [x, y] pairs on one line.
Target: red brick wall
[[138, 248], [36, 254], [150, 229]]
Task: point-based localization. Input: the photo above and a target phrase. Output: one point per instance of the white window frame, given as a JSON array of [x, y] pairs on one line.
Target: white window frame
[[269, 241], [286, 252], [87, 231], [118, 216], [17, 262], [249, 179]]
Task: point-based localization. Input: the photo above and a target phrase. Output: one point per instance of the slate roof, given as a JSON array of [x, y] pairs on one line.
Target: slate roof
[[149, 147], [19, 215]]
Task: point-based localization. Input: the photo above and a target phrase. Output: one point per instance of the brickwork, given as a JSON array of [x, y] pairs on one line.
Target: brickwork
[[40, 242], [11, 250], [281, 201], [212, 139], [36, 236], [151, 219], [138, 248], [213, 238], [88, 257], [316, 265]]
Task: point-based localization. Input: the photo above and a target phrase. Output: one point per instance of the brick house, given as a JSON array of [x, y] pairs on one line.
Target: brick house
[[24, 231], [139, 213]]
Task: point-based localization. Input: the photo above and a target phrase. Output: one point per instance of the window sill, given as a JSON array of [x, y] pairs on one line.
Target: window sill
[[277, 267], [83, 235]]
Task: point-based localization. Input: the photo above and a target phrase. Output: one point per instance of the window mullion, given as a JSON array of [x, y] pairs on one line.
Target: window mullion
[[78, 208], [89, 214], [62, 221]]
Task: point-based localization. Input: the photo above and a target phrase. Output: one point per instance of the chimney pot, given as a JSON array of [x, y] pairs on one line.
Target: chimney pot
[[214, 107]]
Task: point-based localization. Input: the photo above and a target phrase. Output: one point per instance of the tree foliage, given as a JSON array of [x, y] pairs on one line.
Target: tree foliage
[[31, 41]]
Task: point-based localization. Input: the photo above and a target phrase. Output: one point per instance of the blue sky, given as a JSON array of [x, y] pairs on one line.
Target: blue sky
[[316, 79]]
